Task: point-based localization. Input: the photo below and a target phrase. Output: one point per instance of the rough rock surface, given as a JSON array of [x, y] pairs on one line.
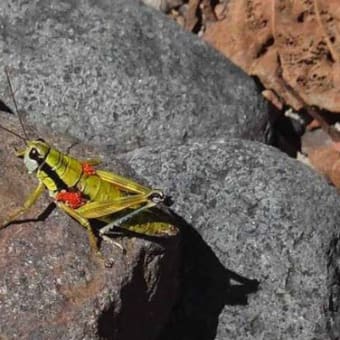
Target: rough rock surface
[[121, 73], [291, 46], [53, 287], [265, 217]]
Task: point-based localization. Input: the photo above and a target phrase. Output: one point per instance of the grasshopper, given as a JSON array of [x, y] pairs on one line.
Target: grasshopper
[[84, 192]]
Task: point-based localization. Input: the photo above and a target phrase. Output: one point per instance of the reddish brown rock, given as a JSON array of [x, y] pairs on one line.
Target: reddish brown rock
[[293, 47]]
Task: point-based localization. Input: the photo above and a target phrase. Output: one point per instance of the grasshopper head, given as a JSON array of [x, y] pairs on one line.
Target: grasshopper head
[[34, 154]]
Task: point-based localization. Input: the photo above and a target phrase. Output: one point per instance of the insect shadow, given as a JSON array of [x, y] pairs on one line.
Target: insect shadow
[[40, 218], [205, 288]]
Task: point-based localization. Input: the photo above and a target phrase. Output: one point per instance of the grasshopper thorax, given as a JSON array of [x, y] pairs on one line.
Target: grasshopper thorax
[[34, 154]]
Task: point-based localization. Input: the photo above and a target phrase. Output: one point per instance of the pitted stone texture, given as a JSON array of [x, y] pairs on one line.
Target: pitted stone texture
[[121, 73], [266, 217]]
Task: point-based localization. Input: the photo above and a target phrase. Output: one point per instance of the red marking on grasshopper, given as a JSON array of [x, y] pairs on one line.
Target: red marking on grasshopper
[[88, 169], [72, 199]]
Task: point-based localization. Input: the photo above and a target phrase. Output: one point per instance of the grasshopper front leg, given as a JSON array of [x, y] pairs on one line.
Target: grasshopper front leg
[[30, 201], [117, 222]]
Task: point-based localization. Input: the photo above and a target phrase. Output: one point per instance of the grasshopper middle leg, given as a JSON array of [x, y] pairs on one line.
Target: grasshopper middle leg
[[84, 222]]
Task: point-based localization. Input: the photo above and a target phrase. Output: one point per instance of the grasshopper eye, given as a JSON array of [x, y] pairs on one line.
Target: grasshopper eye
[[34, 153]]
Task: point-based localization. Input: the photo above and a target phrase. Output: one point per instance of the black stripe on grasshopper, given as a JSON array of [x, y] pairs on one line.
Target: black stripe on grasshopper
[[42, 161], [59, 183]]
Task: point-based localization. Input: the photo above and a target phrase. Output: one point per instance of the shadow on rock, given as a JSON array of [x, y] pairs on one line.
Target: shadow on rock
[[205, 287], [40, 218]]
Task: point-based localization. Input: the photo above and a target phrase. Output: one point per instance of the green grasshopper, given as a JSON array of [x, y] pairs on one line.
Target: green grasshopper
[[84, 192]]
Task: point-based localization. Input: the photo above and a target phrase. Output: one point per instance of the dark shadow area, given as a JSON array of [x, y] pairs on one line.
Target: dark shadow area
[[42, 217], [136, 306], [205, 287], [288, 129], [5, 108], [147, 310], [286, 132], [106, 328], [281, 131]]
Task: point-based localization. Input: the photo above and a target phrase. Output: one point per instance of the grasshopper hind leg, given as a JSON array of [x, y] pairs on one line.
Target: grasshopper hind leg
[[99, 210], [117, 222]]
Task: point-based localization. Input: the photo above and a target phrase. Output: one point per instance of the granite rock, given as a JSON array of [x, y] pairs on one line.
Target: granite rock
[[122, 74], [264, 216]]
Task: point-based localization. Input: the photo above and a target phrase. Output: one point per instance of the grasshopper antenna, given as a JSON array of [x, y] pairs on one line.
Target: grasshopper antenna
[[5, 108], [25, 138]]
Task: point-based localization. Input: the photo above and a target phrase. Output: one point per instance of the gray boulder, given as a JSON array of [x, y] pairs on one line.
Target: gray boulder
[[260, 215], [120, 73]]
